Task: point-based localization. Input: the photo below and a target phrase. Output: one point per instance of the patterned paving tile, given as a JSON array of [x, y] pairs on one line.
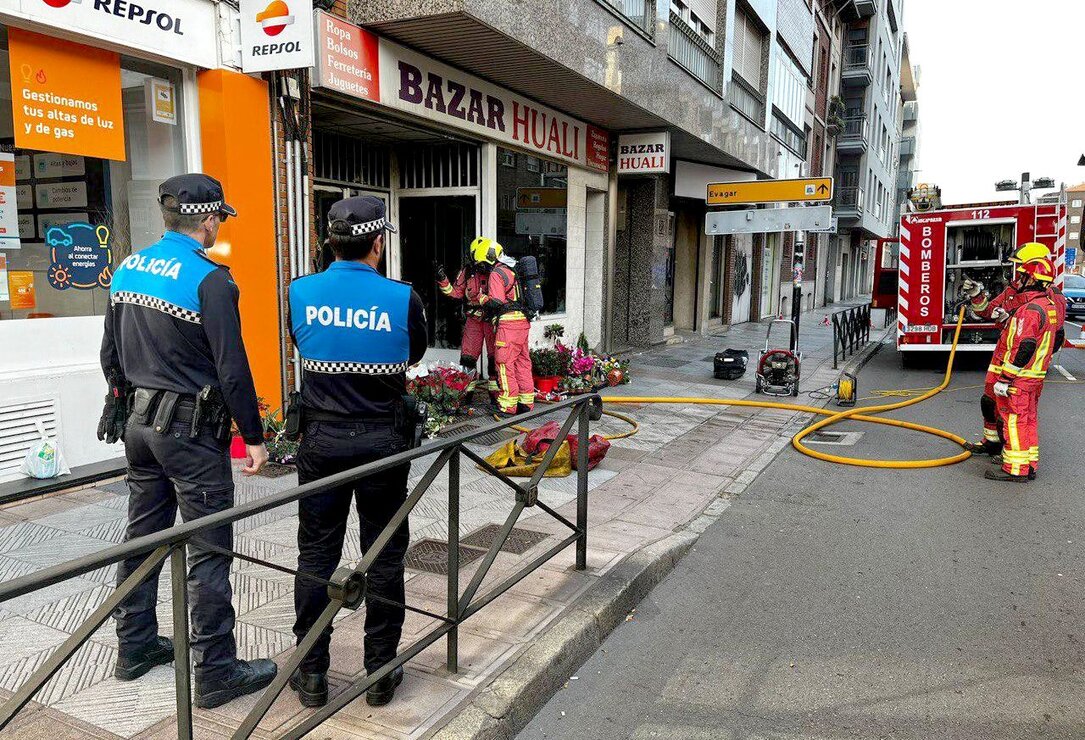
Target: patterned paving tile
[[107, 633], [251, 592], [125, 707], [24, 534], [58, 549], [48, 596], [67, 614], [91, 663], [277, 615], [22, 638], [10, 569], [110, 531], [119, 487], [257, 642], [81, 517], [282, 532]]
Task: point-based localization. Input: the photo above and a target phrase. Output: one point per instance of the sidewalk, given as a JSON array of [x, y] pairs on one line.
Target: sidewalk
[[684, 461]]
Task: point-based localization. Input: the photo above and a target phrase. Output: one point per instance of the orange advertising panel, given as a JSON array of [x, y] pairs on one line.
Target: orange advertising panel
[[21, 291], [66, 97], [235, 134]]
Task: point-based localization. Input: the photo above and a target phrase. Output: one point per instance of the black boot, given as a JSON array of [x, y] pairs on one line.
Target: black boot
[[312, 688], [244, 677], [131, 664], [1002, 475], [977, 448], [382, 691]]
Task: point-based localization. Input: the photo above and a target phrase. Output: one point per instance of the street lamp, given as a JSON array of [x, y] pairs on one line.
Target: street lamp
[[1027, 184]]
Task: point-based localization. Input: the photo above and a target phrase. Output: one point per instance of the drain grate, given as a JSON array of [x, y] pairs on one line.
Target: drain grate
[[275, 470], [842, 439], [431, 556], [519, 541]]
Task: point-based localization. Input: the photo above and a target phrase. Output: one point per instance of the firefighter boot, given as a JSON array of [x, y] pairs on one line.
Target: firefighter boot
[[1002, 475]]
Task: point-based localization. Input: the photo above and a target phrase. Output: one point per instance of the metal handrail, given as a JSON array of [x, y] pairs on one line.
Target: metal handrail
[[347, 584], [851, 330], [857, 56]]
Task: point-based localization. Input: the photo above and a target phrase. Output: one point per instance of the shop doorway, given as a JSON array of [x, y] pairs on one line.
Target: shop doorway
[[325, 196], [436, 229]]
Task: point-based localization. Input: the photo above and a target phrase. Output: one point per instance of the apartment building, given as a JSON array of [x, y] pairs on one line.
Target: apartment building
[[908, 124]]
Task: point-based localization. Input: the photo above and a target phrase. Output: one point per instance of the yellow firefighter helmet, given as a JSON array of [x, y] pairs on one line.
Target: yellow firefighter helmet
[[1030, 251], [486, 250]]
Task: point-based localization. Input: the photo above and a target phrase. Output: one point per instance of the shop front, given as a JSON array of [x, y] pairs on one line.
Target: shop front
[[455, 157], [96, 109]]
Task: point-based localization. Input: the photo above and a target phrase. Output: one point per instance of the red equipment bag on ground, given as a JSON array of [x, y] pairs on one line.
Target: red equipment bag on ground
[[539, 440]]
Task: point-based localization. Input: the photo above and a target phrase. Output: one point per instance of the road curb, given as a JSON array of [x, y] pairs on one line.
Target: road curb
[[866, 354], [507, 705]]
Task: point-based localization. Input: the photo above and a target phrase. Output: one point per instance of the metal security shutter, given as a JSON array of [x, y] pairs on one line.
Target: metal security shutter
[[749, 48], [705, 10], [18, 430], [453, 165]]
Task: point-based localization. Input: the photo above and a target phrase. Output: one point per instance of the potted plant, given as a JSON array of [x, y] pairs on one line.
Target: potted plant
[[279, 449], [547, 367], [237, 444], [834, 122], [554, 333]]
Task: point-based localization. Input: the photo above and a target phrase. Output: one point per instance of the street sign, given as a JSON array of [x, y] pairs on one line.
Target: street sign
[[767, 220], [806, 190], [832, 228], [541, 198], [1071, 257]]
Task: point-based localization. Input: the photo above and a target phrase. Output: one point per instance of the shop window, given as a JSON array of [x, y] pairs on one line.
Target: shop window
[[59, 189], [532, 219]]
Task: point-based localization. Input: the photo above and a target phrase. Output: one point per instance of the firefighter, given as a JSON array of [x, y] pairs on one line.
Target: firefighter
[[999, 309], [178, 372], [354, 411], [503, 302], [469, 285], [1032, 337]]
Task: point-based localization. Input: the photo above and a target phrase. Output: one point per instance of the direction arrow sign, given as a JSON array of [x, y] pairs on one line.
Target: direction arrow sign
[[760, 221], [806, 190]]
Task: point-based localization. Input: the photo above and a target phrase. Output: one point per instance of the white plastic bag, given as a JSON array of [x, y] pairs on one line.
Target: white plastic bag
[[44, 460]]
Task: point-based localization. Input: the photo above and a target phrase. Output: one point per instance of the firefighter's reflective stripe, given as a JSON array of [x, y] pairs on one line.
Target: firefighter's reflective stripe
[[991, 435], [1013, 455], [513, 316], [993, 368]]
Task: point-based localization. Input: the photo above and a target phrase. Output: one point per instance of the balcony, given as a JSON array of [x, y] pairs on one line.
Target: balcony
[[853, 139], [848, 202], [866, 8], [786, 134], [639, 13], [907, 146], [746, 100], [698, 57], [911, 111], [857, 67]]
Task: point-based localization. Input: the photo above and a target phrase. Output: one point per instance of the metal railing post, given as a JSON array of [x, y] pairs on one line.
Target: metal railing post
[[453, 636], [582, 489], [181, 661]]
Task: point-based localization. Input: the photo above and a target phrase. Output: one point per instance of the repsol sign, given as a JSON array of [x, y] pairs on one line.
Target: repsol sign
[[268, 50], [140, 14]]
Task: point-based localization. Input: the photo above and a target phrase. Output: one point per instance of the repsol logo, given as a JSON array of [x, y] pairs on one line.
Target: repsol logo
[[351, 318], [270, 50], [168, 268], [131, 11]]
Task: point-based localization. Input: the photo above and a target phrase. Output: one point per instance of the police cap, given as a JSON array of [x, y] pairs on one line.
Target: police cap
[[358, 216], [196, 194]]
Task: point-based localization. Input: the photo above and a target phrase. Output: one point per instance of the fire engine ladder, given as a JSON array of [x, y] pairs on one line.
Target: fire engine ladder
[[1052, 212]]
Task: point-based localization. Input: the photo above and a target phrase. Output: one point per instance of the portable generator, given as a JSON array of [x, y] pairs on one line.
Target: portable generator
[[730, 364], [779, 369]]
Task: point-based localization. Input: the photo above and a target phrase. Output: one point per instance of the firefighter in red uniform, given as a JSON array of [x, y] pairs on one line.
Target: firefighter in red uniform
[[503, 301], [469, 286], [999, 309], [1032, 338]]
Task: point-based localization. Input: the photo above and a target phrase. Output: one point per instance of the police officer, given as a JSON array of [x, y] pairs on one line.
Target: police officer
[[357, 332], [177, 371]]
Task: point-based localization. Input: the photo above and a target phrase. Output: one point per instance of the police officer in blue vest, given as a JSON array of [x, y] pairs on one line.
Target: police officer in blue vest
[[357, 332], [177, 372]]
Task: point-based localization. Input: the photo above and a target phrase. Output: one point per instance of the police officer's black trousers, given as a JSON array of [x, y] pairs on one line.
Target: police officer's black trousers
[[333, 447], [167, 472]]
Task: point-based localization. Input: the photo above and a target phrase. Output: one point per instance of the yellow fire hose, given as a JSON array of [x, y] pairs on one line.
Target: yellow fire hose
[[833, 417]]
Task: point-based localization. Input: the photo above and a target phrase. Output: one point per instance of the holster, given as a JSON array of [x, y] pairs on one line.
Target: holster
[[210, 412], [411, 417], [144, 402], [165, 411], [295, 417]]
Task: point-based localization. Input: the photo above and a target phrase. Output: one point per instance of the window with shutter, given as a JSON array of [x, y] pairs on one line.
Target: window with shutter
[[748, 46]]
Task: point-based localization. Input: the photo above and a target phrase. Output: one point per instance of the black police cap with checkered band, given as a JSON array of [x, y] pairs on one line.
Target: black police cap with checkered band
[[357, 216], [196, 194]]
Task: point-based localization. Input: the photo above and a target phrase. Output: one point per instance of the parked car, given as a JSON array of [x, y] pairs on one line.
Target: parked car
[[1074, 290]]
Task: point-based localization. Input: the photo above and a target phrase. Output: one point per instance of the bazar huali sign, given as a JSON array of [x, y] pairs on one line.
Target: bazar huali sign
[[424, 87]]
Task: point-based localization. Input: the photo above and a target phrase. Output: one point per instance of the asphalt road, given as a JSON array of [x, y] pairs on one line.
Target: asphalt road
[[841, 602]]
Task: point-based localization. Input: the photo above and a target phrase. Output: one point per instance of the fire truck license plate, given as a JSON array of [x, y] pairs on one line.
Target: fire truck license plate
[[922, 329]]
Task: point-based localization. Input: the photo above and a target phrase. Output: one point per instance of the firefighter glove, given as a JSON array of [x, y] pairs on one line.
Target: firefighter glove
[[1000, 314], [971, 288], [1002, 389], [442, 276]]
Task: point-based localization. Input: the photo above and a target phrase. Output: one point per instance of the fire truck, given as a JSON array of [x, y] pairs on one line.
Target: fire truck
[[940, 249]]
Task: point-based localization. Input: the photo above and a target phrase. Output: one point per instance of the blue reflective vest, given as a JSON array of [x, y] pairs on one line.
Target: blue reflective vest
[[165, 276], [351, 319]]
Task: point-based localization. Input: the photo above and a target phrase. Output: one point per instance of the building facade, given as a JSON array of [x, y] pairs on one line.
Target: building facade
[[866, 167], [908, 123], [97, 109], [1075, 199]]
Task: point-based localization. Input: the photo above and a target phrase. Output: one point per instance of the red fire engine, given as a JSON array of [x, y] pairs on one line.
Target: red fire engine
[[940, 248]]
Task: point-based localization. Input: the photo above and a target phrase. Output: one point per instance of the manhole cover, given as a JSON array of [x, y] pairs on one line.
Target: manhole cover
[[519, 541], [834, 438], [431, 556], [276, 470]]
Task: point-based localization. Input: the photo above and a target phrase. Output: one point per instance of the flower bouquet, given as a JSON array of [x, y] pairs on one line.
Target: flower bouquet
[[444, 388]]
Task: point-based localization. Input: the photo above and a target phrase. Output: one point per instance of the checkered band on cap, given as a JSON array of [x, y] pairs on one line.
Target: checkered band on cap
[[363, 368], [368, 227], [193, 209], [138, 299]]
